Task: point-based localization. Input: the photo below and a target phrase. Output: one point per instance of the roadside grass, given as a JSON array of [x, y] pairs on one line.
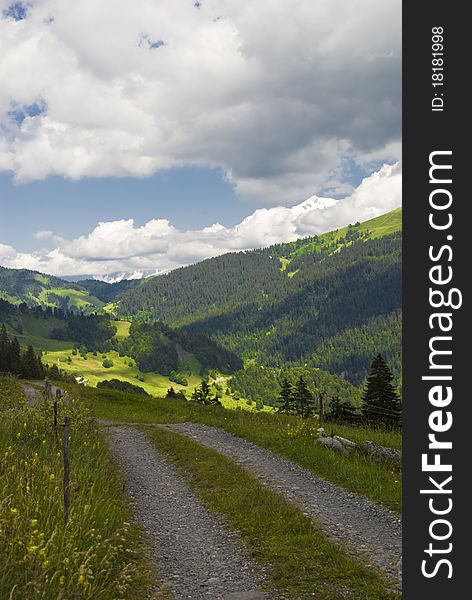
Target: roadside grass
[[99, 555], [290, 436], [389, 438], [294, 553]]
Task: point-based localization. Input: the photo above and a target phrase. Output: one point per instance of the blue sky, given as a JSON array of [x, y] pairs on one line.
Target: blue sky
[[191, 198]]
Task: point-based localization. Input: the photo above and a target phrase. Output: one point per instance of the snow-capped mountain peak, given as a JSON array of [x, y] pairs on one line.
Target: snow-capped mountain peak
[[128, 275], [313, 203]]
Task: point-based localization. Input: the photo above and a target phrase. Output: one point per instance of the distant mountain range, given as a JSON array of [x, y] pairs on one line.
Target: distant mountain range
[[128, 276]]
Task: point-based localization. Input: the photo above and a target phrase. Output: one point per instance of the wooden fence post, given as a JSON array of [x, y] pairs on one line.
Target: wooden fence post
[[47, 389], [66, 481]]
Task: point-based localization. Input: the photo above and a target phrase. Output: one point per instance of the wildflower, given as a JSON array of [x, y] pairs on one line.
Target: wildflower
[[34, 522], [52, 477], [81, 579], [18, 435], [14, 511], [62, 580], [45, 564]]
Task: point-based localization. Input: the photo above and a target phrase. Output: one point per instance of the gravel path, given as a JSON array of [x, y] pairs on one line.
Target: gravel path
[[32, 395], [196, 555], [364, 527]]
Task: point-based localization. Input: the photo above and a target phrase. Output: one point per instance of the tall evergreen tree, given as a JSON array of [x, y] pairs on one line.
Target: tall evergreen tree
[[203, 395], [303, 399], [31, 367], [285, 402], [381, 403], [4, 351], [15, 356]]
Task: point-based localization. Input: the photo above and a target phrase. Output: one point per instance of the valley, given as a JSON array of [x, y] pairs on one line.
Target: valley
[[326, 304], [234, 402]]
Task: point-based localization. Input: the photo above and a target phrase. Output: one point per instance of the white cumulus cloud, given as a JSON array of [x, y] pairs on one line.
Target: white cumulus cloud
[[156, 246], [275, 93]]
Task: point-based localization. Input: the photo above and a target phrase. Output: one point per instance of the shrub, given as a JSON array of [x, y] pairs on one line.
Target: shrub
[[122, 386]]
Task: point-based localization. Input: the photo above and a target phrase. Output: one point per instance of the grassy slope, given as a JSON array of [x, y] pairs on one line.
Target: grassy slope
[[99, 555], [37, 332], [297, 557], [122, 329], [289, 436], [374, 228], [79, 298], [125, 369], [24, 285]]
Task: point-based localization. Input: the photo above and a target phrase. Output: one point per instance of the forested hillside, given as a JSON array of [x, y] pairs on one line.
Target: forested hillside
[[155, 347], [109, 292], [37, 289], [332, 301], [263, 385], [328, 302], [158, 348]]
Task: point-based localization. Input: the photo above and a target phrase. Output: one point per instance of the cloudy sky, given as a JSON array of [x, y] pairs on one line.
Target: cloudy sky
[[145, 135]]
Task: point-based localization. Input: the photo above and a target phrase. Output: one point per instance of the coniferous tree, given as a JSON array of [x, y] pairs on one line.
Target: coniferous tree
[[202, 394], [381, 403], [303, 399], [285, 402], [31, 367], [54, 373], [342, 410], [15, 356], [4, 351]]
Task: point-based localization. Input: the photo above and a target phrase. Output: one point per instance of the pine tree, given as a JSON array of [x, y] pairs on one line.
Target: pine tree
[[342, 410], [15, 356], [31, 367], [202, 394], [381, 403], [285, 402], [303, 399], [4, 351]]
